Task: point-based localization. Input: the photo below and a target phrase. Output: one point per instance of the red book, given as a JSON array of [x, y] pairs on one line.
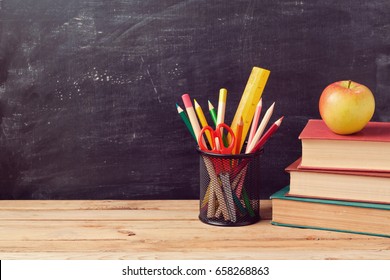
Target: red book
[[367, 150]]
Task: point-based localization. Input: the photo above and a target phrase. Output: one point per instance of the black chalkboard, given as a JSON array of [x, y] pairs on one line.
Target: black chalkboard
[[88, 88]]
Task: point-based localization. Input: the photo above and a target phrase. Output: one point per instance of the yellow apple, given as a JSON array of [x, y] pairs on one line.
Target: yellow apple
[[346, 107]]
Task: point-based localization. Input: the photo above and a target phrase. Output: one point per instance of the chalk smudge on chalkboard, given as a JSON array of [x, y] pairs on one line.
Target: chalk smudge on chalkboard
[[151, 80]]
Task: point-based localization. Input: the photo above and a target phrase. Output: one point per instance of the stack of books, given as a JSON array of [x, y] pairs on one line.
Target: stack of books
[[341, 182]]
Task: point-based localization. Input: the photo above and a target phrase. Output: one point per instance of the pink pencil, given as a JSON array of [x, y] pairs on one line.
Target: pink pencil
[[267, 135], [239, 168], [255, 121], [191, 114]]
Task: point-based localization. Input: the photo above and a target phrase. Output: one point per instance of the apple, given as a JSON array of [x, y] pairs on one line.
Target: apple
[[346, 107]]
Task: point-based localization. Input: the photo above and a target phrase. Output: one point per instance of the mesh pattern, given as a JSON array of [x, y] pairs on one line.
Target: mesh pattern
[[229, 189]]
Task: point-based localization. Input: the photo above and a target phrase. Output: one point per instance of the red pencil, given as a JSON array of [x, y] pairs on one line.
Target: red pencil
[[238, 168], [267, 135]]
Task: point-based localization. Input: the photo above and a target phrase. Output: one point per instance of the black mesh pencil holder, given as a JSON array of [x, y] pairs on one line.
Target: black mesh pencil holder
[[229, 188]]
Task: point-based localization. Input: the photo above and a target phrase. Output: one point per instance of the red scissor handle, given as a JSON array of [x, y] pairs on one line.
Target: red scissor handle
[[219, 130], [202, 143], [217, 139]]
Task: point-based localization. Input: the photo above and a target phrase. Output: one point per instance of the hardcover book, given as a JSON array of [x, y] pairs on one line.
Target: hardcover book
[[367, 150], [333, 215], [371, 187]]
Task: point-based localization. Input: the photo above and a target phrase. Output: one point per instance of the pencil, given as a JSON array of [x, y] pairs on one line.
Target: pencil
[[203, 121], [221, 112], [228, 195], [221, 106], [247, 203], [237, 148], [261, 128], [237, 169], [240, 184], [191, 115], [238, 204], [186, 121], [213, 113], [255, 121], [215, 190], [267, 135]]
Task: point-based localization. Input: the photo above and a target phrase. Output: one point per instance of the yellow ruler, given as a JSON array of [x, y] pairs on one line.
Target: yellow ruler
[[250, 97]]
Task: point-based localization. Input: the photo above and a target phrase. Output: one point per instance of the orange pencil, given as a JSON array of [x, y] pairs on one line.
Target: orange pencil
[[240, 126]]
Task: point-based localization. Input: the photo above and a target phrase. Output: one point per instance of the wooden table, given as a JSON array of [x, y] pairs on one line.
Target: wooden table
[[162, 230]]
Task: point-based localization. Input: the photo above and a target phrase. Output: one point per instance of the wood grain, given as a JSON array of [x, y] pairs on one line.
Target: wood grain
[[168, 229]]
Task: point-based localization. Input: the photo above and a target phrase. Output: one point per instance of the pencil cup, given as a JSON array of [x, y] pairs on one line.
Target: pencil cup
[[229, 188]]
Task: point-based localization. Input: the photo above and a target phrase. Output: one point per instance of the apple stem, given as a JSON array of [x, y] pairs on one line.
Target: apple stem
[[349, 83]]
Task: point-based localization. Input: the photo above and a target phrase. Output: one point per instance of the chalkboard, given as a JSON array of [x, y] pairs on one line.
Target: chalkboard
[[88, 87]]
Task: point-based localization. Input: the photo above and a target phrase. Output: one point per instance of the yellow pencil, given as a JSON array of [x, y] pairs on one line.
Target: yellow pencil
[[221, 112], [203, 121], [221, 106]]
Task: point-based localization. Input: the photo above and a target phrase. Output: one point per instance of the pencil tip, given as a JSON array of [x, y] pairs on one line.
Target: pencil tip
[[279, 121], [179, 109]]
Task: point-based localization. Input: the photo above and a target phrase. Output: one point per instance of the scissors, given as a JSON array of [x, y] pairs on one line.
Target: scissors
[[216, 144]]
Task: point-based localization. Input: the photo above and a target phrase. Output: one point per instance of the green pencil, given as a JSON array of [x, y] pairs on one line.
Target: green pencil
[[213, 113], [186, 121], [247, 203], [214, 117]]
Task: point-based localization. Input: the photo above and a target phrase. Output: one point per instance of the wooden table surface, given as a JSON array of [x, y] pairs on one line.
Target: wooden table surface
[[168, 229]]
